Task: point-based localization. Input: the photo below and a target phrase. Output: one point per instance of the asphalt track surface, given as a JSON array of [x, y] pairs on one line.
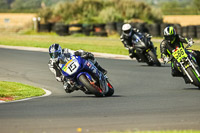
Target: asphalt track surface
[[146, 98]]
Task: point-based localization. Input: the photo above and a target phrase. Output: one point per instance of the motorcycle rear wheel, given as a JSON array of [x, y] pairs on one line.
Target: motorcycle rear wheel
[[91, 87]]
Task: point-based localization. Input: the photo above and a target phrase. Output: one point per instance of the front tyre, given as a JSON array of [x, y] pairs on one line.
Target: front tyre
[[111, 89], [154, 59], [90, 86], [193, 75]]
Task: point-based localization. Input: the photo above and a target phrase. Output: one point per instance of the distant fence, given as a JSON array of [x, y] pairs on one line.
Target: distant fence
[[155, 30]]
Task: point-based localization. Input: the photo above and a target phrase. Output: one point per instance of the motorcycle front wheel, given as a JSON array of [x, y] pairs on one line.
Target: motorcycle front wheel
[[90, 86], [193, 75], [111, 89]]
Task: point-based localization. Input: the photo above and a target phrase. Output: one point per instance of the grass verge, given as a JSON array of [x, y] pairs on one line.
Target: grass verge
[[15, 91], [110, 45]]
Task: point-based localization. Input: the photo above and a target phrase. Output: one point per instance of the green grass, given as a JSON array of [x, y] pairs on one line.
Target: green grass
[[92, 44], [18, 90], [110, 45]]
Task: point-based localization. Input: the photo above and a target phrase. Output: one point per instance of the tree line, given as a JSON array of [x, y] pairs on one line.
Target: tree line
[[100, 11]]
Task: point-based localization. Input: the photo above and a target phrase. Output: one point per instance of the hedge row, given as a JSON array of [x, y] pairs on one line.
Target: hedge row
[[113, 28]]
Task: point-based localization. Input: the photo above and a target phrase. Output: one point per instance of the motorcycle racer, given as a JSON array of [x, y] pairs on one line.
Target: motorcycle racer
[[59, 55], [127, 36], [172, 41]]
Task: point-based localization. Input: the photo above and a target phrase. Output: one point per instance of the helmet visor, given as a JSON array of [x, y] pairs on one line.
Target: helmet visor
[[127, 32], [54, 55], [170, 38]]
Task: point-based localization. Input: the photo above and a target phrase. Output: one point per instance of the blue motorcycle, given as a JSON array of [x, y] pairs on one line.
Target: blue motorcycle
[[88, 77]]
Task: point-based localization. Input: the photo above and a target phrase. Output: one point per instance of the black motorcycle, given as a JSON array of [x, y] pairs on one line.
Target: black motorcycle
[[145, 51]]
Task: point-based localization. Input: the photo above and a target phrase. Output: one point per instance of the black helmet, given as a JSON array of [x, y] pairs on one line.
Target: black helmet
[[169, 33], [55, 51]]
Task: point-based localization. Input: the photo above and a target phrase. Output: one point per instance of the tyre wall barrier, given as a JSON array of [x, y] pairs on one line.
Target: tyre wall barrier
[[61, 29], [45, 27], [178, 29], [198, 31], [111, 28], [119, 27], [184, 31], [75, 28], [141, 26], [87, 29], [116, 27], [99, 30], [153, 29], [191, 33]]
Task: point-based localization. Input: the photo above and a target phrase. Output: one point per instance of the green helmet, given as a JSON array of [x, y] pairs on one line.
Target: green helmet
[[169, 33]]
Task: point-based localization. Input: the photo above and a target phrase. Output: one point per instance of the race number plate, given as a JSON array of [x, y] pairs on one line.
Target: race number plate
[[71, 67], [179, 54]]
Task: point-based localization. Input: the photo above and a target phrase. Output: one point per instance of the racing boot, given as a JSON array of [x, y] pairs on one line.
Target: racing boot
[[70, 86], [131, 53]]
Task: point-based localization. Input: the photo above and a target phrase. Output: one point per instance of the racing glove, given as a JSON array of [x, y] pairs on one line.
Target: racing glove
[[190, 42], [88, 55], [165, 60], [148, 35]]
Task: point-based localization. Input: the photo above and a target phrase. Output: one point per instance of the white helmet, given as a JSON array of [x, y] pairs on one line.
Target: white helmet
[[127, 29]]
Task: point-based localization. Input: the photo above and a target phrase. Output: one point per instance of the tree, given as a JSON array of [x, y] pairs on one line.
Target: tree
[[26, 4], [4, 4], [196, 4]]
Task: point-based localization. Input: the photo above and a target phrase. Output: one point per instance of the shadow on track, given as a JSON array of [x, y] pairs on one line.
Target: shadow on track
[[189, 89], [92, 96]]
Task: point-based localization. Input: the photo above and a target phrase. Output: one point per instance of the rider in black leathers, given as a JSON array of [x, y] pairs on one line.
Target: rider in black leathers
[[127, 38], [58, 55]]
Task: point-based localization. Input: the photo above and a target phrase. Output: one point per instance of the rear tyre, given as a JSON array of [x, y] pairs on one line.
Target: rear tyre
[[192, 73], [91, 87], [154, 59]]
